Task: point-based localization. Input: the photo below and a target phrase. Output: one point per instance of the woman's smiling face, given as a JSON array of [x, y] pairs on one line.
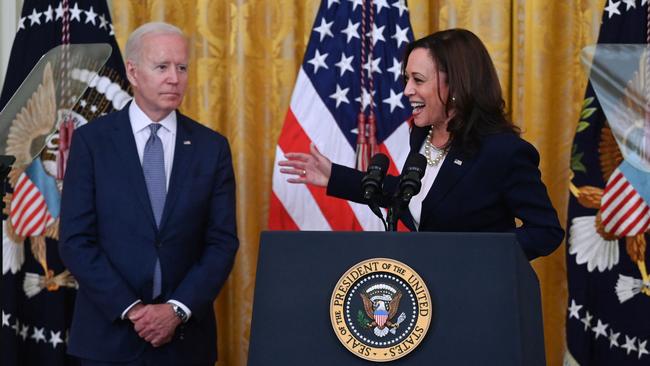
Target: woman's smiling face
[[427, 89]]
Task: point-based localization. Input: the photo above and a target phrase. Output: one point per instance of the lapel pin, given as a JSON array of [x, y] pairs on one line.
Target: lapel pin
[[458, 162], [187, 142]]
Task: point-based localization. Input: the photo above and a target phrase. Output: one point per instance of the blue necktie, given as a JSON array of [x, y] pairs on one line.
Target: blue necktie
[[153, 165]]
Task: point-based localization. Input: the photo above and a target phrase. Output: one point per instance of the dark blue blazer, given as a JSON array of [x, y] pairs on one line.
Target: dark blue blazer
[[481, 193], [110, 242]]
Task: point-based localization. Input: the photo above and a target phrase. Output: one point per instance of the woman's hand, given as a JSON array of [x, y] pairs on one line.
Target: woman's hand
[[313, 168]]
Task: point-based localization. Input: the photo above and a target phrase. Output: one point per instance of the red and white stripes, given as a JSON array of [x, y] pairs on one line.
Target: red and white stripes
[[623, 210], [29, 214]]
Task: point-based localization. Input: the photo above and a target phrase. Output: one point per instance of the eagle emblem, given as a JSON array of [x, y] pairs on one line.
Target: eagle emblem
[[39, 136], [32, 207], [381, 303], [624, 163]]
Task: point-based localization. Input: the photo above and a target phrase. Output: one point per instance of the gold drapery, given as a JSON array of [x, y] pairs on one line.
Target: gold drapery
[[245, 57]]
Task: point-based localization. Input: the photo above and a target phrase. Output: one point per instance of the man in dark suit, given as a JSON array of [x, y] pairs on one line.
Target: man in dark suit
[[148, 219]]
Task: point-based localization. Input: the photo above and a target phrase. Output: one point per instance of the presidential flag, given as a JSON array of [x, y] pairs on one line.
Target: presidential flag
[[607, 322], [348, 100], [37, 291]]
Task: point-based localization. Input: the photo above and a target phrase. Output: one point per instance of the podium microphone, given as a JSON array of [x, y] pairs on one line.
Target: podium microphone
[[371, 182], [409, 184]]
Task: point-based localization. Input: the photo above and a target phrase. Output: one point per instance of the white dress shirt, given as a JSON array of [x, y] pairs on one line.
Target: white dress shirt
[[167, 133]]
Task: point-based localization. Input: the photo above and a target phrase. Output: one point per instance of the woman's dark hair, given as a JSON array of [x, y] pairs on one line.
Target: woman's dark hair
[[473, 84]]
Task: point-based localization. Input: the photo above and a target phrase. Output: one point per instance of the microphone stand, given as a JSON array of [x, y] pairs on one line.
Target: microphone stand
[[391, 218], [393, 213]]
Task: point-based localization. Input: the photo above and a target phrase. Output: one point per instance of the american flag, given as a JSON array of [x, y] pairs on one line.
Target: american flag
[[327, 99]]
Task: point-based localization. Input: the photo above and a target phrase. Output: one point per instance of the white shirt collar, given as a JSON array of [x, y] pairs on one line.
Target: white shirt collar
[[140, 121]]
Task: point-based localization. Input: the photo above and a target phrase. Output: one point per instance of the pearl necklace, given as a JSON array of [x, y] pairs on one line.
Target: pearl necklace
[[428, 151]]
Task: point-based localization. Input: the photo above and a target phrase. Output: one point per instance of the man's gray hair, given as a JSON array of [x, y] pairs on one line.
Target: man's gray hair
[[134, 43]]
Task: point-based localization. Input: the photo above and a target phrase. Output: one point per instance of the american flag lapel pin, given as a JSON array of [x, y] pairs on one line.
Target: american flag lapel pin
[[458, 162], [187, 142]]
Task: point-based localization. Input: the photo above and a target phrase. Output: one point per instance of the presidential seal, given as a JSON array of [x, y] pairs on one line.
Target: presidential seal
[[380, 309]]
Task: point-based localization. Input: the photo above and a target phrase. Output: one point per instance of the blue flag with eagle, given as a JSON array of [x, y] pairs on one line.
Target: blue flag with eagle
[[37, 291], [609, 297]]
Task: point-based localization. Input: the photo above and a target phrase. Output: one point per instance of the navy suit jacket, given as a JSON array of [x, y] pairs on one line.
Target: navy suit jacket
[[109, 240], [481, 193]]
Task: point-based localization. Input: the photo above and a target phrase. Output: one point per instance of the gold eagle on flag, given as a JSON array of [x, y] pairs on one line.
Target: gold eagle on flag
[[623, 212]]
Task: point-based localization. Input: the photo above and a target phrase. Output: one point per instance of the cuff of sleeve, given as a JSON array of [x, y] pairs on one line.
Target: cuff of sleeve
[[182, 306], [126, 311]]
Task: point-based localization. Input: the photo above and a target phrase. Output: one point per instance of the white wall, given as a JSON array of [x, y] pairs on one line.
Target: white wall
[[9, 15]]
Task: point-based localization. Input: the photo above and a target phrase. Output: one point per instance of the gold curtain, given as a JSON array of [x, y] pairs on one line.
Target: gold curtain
[[245, 57]]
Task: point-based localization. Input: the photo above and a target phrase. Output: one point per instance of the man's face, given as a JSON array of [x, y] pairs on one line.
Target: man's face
[[159, 75]]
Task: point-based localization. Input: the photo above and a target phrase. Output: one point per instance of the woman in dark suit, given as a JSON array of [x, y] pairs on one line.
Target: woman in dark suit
[[480, 174]]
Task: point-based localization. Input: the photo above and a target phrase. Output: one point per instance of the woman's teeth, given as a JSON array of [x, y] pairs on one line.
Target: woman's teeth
[[417, 106]]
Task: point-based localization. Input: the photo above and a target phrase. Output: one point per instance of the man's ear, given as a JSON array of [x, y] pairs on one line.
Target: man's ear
[[131, 72]]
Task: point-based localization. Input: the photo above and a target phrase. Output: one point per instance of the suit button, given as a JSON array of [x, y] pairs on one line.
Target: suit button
[[158, 244]]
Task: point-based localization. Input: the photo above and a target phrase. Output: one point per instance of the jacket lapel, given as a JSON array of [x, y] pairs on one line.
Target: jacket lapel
[[452, 170], [183, 151], [128, 152]]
